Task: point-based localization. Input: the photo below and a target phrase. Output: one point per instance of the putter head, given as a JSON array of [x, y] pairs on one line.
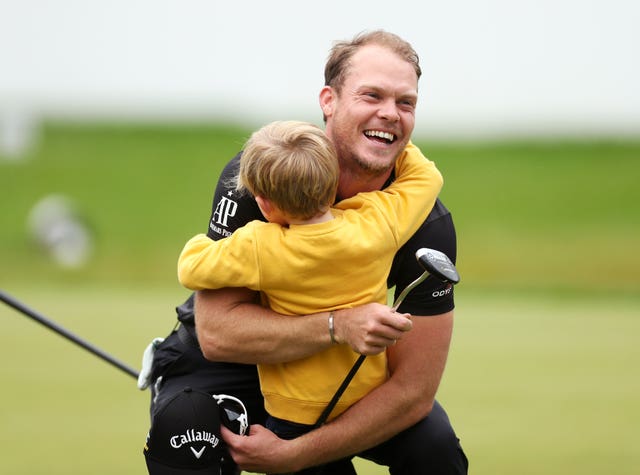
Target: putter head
[[438, 265]]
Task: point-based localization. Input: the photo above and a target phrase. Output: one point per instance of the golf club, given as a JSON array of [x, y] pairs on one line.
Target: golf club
[[65, 333], [435, 264]]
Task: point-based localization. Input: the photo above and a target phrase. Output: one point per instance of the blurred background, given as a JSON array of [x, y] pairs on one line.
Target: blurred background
[[117, 117]]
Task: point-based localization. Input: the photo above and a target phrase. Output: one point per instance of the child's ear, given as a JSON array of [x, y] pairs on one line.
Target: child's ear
[[265, 206], [271, 212]]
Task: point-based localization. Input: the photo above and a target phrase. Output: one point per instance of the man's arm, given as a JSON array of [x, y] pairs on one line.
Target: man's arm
[[416, 366], [232, 326]]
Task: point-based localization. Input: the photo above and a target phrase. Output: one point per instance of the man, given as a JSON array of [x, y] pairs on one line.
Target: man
[[368, 102]]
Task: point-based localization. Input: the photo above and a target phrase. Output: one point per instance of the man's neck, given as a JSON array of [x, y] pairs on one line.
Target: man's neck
[[351, 184]]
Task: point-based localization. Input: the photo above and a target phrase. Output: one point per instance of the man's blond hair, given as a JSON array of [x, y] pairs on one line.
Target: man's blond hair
[[339, 61], [294, 165]]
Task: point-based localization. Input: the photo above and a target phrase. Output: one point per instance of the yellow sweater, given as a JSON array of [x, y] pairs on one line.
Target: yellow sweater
[[320, 267]]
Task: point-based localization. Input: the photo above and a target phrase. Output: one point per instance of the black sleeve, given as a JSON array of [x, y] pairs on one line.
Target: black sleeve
[[230, 209], [431, 297]]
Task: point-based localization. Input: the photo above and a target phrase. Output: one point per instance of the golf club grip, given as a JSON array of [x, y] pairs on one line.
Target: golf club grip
[[336, 397], [65, 333]]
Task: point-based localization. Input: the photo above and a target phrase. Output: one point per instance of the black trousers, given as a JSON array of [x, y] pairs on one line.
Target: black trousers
[[430, 446]]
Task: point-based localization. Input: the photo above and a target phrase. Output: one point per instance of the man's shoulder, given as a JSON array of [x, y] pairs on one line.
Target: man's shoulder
[[439, 211], [232, 166], [231, 209]]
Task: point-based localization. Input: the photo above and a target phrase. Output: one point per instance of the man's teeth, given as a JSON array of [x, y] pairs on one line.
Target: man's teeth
[[380, 134]]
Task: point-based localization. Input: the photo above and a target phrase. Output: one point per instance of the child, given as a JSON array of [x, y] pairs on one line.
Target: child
[[311, 257]]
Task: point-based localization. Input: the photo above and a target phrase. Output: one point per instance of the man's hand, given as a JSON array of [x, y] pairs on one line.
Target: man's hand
[[371, 328], [261, 451]]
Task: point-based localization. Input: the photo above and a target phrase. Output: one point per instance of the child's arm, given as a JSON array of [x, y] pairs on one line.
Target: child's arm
[[413, 193], [407, 202], [229, 262]]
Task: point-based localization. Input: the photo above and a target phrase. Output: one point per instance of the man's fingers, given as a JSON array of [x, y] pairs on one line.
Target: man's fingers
[[371, 328], [402, 322], [392, 331], [392, 327], [227, 435]]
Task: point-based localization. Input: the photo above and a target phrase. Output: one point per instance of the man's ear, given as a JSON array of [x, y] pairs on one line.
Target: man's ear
[[327, 96]]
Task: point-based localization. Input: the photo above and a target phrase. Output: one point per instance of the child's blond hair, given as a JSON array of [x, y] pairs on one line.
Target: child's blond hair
[[294, 165]]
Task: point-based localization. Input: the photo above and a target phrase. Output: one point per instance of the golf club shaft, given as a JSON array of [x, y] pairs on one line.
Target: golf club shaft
[[356, 366], [408, 289], [65, 333]]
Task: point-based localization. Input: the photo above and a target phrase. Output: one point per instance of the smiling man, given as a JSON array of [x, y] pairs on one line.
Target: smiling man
[[368, 103], [370, 115]]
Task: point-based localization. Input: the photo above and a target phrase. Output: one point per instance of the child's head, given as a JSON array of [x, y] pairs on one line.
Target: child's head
[[294, 165]]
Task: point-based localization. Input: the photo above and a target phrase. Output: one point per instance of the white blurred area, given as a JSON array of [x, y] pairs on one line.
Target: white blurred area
[[496, 68], [18, 132], [57, 227]]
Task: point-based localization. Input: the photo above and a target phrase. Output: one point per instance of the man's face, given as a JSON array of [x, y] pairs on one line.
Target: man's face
[[371, 120]]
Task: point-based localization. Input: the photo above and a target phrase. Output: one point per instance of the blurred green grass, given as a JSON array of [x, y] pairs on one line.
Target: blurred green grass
[[554, 216], [541, 377], [533, 385], [550, 216], [143, 190]]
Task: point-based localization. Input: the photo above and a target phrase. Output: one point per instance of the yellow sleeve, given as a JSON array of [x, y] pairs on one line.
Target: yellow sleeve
[[416, 187], [415, 170], [407, 202], [229, 262]]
